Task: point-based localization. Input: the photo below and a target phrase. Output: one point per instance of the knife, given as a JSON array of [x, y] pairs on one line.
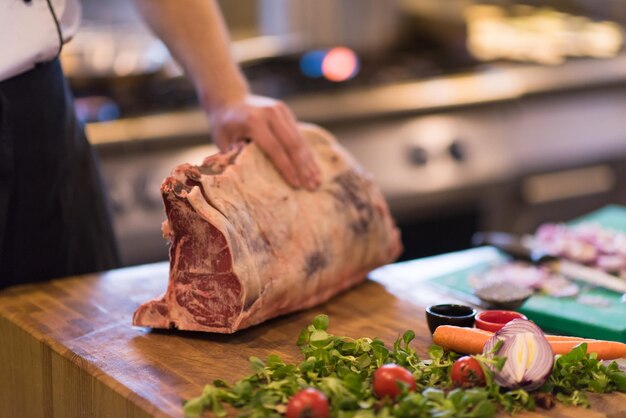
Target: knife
[[512, 245]]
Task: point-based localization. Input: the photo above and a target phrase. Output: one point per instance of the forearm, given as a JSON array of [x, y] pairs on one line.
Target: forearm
[[194, 32]]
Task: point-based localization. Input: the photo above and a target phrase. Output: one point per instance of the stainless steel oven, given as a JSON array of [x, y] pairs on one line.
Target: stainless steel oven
[[456, 143]]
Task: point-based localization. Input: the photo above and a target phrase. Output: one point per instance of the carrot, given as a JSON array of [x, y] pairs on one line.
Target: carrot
[[472, 340], [461, 339], [606, 350], [565, 338]]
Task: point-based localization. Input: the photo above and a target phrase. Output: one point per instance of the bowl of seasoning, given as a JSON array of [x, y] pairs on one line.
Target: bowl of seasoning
[[450, 314], [503, 296], [493, 320]]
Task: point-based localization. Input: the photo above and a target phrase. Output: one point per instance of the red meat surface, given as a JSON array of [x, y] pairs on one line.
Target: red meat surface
[[246, 247]]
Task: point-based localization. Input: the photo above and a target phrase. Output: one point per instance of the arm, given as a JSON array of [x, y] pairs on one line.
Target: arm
[[196, 36]]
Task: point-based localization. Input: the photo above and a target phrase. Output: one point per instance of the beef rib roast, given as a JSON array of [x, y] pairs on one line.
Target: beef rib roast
[[245, 247]]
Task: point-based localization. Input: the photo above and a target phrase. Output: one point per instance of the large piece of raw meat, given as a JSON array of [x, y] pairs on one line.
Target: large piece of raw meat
[[246, 247]]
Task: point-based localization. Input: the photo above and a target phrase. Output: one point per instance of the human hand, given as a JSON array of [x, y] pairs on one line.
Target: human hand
[[273, 127]]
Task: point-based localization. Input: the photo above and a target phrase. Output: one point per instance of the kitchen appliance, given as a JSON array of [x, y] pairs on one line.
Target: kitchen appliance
[[456, 144]]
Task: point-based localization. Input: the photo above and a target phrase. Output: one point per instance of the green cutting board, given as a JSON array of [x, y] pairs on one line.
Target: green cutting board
[[564, 315]]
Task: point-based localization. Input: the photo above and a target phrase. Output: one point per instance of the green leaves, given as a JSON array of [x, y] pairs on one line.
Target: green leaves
[[381, 354], [208, 400], [578, 371], [459, 403], [321, 322], [342, 368]]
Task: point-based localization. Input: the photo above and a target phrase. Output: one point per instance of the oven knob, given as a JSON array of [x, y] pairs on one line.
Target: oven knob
[[458, 150], [418, 155]]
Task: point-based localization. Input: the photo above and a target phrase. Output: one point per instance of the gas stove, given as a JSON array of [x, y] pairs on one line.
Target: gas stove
[[501, 147], [284, 77]]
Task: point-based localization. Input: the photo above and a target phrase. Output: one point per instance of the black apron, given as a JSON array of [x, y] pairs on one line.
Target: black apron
[[54, 220]]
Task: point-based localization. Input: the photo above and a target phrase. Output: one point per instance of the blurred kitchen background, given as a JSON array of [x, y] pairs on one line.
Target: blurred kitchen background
[[471, 115]]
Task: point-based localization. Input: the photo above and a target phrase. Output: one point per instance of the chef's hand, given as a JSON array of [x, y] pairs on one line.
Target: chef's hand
[[198, 38], [272, 126]]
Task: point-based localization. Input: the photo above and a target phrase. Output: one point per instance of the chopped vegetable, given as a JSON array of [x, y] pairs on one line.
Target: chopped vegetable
[[467, 372], [522, 277], [528, 354], [308, 403], [391, 380], [342, 368], [586, 243]]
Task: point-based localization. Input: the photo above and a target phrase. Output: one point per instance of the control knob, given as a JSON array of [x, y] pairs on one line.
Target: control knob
[[418, 155], [458, 150]]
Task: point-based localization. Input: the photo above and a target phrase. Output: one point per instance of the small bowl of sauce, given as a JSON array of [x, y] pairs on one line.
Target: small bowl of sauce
[[496, 319], [450, 314]]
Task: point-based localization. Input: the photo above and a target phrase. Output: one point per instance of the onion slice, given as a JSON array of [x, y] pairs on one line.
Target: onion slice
[[529, 357]]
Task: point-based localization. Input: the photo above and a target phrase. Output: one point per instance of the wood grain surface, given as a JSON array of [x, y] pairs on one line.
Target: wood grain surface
[[67, 347]]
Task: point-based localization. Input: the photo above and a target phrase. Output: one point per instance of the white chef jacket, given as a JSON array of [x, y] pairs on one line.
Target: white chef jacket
[[33, 31]]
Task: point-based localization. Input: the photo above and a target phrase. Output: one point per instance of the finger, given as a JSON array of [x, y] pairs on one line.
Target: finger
[[228, 135], [270, 145], [309, 159], [294, 149], [297, 149]]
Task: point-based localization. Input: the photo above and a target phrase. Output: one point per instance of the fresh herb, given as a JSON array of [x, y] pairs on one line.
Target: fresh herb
[[579, 371], [342, 368]]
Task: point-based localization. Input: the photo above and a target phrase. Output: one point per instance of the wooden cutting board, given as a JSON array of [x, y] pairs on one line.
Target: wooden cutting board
[[67, 348]]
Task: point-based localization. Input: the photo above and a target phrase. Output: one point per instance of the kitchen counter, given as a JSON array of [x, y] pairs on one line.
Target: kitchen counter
[[68, 348]]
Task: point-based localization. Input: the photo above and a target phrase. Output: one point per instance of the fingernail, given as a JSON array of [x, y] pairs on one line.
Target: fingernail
[[313, 178], [317, 177], [317, 173], [310, 179]]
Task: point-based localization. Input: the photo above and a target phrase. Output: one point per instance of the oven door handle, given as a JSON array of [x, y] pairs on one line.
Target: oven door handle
[[568, 184]]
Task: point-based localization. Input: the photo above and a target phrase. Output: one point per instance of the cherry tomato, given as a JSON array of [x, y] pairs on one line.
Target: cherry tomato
[[466, 372], [387, 380], [308, 403]]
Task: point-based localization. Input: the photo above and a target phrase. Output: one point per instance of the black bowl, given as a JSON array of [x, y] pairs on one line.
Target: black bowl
[[449, 314]]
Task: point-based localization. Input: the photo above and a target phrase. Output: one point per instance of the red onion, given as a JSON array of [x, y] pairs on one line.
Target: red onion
[[528, 353], [527, 276], [586, 243]]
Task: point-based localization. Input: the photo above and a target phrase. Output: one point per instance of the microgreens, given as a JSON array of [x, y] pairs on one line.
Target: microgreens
[[342, 367]]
